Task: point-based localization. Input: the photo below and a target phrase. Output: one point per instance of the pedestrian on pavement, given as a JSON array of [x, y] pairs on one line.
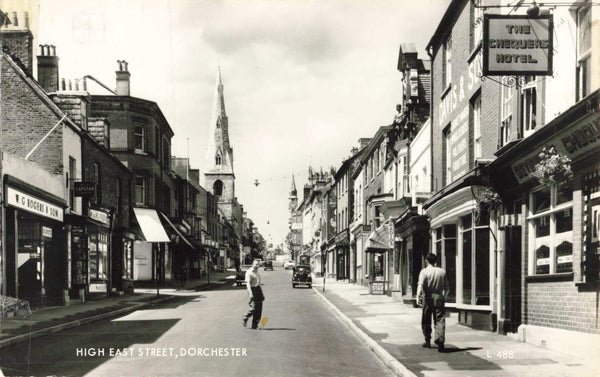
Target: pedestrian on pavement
[[434, 288], [255, 294]]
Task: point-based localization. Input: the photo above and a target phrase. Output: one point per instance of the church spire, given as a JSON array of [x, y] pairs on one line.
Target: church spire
[[219, 154], [293, 191]]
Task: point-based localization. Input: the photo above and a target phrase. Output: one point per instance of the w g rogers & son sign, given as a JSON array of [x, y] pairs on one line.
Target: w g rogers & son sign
[[517, 45], [32, 204]]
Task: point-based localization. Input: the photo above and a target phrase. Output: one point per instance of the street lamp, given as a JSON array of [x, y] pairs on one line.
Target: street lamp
[[533, 10]]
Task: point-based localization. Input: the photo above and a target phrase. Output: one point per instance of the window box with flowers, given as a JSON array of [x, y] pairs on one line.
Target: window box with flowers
[[550, 216]]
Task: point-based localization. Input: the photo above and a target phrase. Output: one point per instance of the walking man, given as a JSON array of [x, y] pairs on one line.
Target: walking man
[[433, 285], [255, 295]]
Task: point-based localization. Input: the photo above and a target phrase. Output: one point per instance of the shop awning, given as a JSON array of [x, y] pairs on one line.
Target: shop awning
[[379, 240], [177, 231], [150, 225]]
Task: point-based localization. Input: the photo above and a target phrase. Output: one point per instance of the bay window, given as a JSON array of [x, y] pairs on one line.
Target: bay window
[[445, 248], [475, 259]]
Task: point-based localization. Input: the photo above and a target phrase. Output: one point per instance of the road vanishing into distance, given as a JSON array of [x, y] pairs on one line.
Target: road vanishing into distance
[[200, 333]]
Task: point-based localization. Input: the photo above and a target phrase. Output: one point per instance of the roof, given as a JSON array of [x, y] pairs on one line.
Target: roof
[[114, 98], [375, 141], [446, 23]]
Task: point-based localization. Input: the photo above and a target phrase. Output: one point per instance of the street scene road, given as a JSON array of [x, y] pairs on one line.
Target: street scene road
[[200, 333]]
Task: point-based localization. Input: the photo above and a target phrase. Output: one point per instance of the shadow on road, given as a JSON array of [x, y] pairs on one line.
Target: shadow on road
[[279, 329], [76, 353]]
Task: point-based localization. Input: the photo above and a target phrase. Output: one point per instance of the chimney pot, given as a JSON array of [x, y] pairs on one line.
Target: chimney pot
[[47, 64], [123, 86]]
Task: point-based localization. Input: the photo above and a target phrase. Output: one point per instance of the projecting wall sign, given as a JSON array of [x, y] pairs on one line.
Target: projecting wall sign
[[517, 45]]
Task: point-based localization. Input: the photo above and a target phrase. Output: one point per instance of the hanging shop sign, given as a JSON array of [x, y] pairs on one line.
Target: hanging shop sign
[[517, 45], [85, 189], [32, 204]]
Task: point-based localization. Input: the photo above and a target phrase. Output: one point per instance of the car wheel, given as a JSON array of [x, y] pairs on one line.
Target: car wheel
[[293, 285], [309, 286]]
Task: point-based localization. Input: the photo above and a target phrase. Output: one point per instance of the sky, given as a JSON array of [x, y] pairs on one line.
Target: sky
[[303, 80]]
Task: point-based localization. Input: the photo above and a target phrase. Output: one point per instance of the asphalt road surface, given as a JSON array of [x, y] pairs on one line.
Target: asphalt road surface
[[201, 334]]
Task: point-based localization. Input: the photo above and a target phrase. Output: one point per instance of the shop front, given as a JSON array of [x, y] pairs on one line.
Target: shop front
[[151, 253], [184, 252], [342, 252], [413, 232], [558, 224], [36, 249], [378, 248], [463, 240]]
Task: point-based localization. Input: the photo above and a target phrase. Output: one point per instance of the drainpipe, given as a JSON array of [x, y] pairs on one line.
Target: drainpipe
[[430, 54]]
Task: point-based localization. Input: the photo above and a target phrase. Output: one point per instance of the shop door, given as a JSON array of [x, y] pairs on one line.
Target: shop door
[[513, 277], [30, 272], [341, 266]]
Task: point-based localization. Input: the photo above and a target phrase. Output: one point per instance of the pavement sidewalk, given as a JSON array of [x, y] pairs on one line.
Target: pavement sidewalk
[[53, 319], [392, 330]]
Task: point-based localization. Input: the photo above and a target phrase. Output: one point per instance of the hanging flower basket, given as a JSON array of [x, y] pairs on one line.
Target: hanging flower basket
[[489, 200], [553, 167]]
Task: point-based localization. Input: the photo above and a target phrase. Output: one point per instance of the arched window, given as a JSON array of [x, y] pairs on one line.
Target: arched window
[[218, 188], [218, 159]]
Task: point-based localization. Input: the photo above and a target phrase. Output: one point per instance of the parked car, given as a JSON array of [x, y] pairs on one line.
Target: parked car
[[301, 276], [268, 265], [240, 276], [289, 265]]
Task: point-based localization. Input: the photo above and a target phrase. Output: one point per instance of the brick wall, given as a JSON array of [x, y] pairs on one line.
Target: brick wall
[[560, 305], [112, 173], [465, 86], [25, 119]]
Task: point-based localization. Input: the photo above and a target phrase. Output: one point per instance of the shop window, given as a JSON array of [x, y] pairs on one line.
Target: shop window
[[127, 259], [529, 106], [551, 230], [475, 261], [138, 139], [584, 50], [445, 248], [591, 232], [98, 255]]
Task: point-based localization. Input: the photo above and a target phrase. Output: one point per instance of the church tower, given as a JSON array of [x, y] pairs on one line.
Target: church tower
[[219, 177], [293, 199]]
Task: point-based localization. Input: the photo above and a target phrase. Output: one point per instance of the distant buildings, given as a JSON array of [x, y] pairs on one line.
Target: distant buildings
[[496, 174]]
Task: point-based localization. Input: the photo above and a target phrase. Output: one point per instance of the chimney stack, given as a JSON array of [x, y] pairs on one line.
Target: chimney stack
[[122, 79], [47, 63], [19, 44]]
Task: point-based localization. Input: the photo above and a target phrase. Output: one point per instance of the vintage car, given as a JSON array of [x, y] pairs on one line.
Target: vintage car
[[268, 265], [240, 276], [301, 276], [289, 264]]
